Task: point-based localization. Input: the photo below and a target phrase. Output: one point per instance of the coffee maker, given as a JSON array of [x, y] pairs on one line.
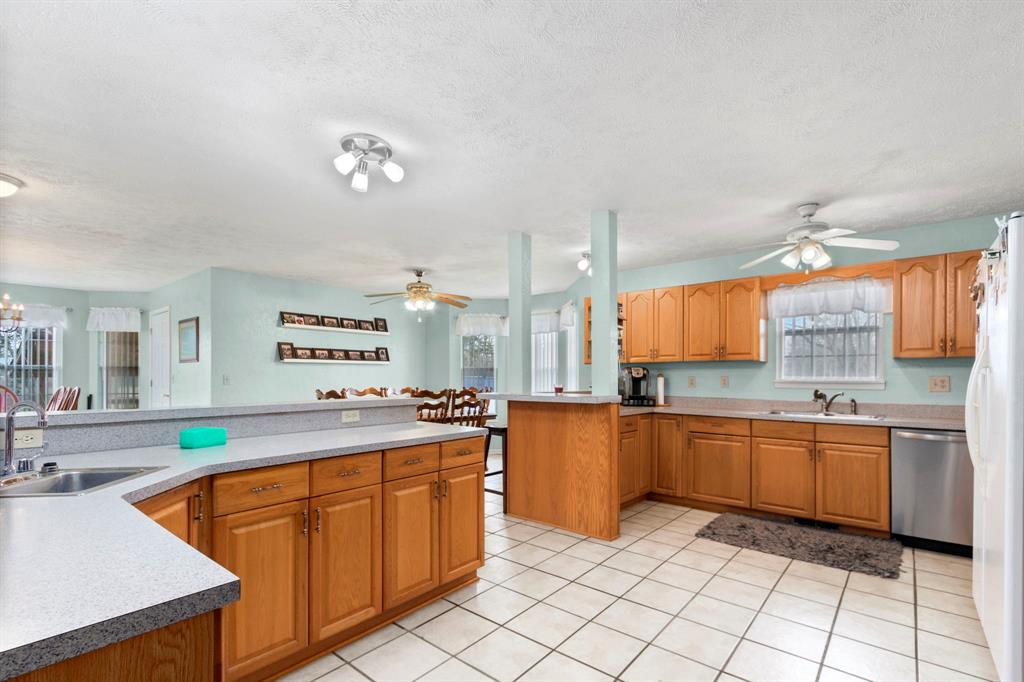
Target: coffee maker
[[634, 383]]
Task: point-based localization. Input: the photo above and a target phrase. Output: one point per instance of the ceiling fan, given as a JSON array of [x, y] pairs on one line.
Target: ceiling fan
[[419, 295], [805, 244]]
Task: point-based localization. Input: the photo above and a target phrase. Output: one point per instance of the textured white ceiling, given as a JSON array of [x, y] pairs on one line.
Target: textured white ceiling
[[159, 138]]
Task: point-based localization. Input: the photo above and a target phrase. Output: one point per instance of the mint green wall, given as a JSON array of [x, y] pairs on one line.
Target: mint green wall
[[188, 297], [246, 331]]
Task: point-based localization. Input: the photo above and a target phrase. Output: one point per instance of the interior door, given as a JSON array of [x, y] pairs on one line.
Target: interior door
[[741, 320], [961, 312], [345, 560], [717, 468], [782, 476], [668, 324], [462, 513], [639, 344], [701, 330], [160, 358], [411, 541], [918, 307]]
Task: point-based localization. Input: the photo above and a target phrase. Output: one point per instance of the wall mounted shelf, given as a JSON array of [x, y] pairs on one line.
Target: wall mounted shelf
[[336, 362], [319, 328]]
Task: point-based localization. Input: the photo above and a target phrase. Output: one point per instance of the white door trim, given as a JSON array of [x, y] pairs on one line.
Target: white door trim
[[153, 398]]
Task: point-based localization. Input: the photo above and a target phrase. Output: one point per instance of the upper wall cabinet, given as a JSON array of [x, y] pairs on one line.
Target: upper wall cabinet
[[723, 321], [933, 315], [587, 330], [654, 325]]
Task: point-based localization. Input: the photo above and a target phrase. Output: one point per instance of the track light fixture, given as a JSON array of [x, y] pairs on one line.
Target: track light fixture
[[583, 264], [361, 148]]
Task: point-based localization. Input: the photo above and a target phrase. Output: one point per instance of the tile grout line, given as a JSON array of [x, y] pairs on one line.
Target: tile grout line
[[832, 627]]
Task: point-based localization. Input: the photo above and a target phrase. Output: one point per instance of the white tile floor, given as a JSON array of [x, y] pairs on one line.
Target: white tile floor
[[659, 604]]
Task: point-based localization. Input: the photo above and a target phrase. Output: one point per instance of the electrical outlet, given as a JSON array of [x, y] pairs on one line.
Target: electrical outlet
[[28, 438], [724, 381], [349, 416], [938, 384], [691, 382], [225, 380]]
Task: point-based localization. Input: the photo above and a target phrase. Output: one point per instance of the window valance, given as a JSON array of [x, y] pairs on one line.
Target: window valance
[[40, 315], [567, 315], [114, 320], [476, 324], [836, 296], [541, 323]]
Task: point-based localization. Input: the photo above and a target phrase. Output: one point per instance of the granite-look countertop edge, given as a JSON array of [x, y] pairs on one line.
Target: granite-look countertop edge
[[893, 422], [583, 398]]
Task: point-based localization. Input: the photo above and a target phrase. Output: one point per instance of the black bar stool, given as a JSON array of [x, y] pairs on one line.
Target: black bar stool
[[501, 431]]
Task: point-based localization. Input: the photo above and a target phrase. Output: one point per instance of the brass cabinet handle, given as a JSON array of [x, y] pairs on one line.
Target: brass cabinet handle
[[436, 489], [942, 344], [810, 454], [350, 472], [689, 441], [462, 452], [305, 522], [262, 488], [199, 506], [952, 344], [415, 460], [819, 454], [317, 528], [444, 485]]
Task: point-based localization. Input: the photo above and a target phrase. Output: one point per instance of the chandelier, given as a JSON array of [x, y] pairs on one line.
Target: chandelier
[[361, 149], [10, 315]]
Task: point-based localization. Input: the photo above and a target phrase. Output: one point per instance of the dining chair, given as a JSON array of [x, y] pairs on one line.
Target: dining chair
[[432, 412], [70, 401], [55, 401], [468, 411], [408, 391], [328, 395], [8, 398], [443, 396], [380, 392]]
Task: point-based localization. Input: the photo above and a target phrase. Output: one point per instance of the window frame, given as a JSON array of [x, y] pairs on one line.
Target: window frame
[[874, 383], [56, 365], [494, 359]]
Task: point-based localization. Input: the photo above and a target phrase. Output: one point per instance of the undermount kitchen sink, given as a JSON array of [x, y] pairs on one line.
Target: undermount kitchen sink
[[69, 482], [837, 415]]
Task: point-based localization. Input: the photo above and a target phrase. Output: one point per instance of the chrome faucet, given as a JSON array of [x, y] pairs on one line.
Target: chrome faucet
[[9, 436], [828, 403], [819, 396]]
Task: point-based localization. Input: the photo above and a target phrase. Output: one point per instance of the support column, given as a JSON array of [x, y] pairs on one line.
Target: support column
[[520, 266], [604, 332]]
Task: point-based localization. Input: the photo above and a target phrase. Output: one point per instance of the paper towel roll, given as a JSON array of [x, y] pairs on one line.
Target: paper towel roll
[[661, 390]]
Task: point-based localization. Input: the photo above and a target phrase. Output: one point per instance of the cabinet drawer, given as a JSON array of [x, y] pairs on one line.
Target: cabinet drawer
[[462, 452], [630, 423], [785, 430], [411, 461], [852, 435], [262, 487], [344, 473], [723, 425]]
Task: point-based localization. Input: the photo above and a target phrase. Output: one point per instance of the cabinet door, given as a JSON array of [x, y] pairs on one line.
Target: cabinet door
[[919, 307], [462, 514], [852, 485], [182, 512], [629, 453], [410, 538], [741, 332], [701, 328], [267, 549], [668, 324], [717, 468], [782, 476], [345, 560], [961, 313], [640, 326], [667, 451], [587, 358], [644, 456]]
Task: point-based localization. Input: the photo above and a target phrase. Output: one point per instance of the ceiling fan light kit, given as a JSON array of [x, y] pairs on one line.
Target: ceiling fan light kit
[[9, 185], [420, 296], [359, 149]]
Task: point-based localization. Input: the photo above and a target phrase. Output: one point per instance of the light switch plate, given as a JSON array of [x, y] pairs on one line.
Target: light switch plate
[[28, 438], [691, 382], [724, 381], [349, 416], [938, 384]]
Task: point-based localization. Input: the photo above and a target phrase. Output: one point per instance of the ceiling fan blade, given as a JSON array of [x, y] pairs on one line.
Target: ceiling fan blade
[[450, 301], [767, 256], [832, 233], [874, 244], [393, 293], [464, 298], [385, 300]]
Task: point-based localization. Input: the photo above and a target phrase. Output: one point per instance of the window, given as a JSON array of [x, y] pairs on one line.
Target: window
[[30, 362], [478, 361], [830, 349], [545, 361], [119, 370]]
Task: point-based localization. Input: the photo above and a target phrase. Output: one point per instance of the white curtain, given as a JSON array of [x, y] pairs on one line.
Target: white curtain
[[114, 320], [545, 360], [836, 296], [567, 315], [542, 323], [481, 325], [39, 315]]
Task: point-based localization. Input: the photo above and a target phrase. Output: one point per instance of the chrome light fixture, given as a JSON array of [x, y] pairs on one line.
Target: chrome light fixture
[[9, 185], [584, 264], [359, 150]]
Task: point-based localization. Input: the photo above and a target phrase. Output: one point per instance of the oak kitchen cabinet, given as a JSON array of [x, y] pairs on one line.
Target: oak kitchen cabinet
[[716, 463], [782, 467], [634, 457], [587, 336], [723, 321], [933, 314], [182, 511], [667, 453], [852, 475], [654, 325]]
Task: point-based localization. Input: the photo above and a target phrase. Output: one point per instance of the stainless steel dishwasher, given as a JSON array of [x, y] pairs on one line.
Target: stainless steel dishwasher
[[932, 485]]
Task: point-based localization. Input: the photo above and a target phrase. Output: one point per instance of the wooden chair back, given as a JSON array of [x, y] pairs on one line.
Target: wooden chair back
[[71, 399], [432, 411], [380, 392], [55, 401], [468, 411], [328, 395], [408, 391], [8, 398]]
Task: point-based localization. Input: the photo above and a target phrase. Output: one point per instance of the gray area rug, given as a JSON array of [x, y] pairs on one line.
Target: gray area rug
[[861, 553]]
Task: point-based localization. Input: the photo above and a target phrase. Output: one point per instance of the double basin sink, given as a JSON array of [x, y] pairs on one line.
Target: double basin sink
[[825, 415], [69, 482]]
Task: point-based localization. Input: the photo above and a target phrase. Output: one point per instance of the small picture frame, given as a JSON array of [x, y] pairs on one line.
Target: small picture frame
[[285, 350], [380, 324], [382, 355], [303, 353], [349, 323], [321, 353], [370, 355], [329, 321], [353, 355], [366, 326], [291, 318], [337, 354], [311, 320], [188, 340]]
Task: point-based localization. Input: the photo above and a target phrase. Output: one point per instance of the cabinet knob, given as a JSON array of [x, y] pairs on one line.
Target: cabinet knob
[[952, 343]]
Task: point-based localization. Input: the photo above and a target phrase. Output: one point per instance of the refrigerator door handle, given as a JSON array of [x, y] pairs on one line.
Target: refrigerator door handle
[[974, 404]]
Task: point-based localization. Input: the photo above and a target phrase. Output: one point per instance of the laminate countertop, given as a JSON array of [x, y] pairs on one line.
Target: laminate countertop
[[79, 573], [578, 398]]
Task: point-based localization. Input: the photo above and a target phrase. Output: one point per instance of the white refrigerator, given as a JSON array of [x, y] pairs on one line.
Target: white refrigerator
[[995, 438]]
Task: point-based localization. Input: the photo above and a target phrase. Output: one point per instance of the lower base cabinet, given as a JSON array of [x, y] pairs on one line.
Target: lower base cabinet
[[718, 468], [411, 538], [667, 454], [852, 485], [462, 528], [182, 511], [629, 465], [782, 476]]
